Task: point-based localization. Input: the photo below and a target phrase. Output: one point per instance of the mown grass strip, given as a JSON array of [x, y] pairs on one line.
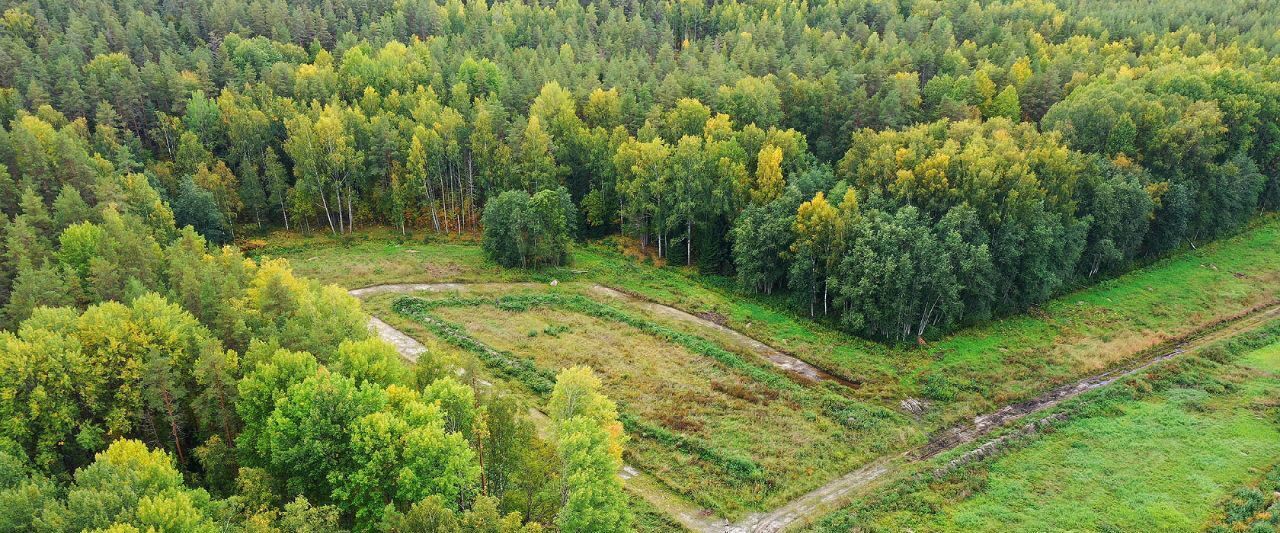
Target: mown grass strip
[[739, 467]]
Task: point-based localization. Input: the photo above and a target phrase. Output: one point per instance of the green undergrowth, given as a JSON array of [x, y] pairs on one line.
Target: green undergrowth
[[647, 519], [505, 363], [1253, 508]]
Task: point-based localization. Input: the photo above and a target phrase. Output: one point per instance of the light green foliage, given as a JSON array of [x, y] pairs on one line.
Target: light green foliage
[[1006, 105], [401, 456], [300, 314], [430, 514], [262, 387], [371, 361], [41, 367], [80, 243], [130, 486], [307, 442], [589, 442], [300, 516], [22, 494], [208, 284], [484, 517], [589, 472], [456, 401], [752, 101], [81, 377], [577, 394]]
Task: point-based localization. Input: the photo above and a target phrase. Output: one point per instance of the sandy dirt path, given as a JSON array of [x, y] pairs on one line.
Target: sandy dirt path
[[789, 364], [839, 491]]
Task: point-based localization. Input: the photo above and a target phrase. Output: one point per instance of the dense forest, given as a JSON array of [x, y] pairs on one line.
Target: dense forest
[[1018, 148], [155, 383], [898, 167]]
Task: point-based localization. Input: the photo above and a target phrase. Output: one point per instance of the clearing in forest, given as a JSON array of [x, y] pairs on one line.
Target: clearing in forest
[[972, 372], [731, 432]]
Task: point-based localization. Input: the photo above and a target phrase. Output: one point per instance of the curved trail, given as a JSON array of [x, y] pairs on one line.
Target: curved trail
[[838, 491], [792, 366], [643, 485]]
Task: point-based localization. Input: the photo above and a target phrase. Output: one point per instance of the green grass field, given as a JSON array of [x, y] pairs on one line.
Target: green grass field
[[964, 374], [1162, 462]]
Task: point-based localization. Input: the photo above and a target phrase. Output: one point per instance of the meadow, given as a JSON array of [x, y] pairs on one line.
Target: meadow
[[728, 432], [976, 370], [1160, 451], [971, 371]]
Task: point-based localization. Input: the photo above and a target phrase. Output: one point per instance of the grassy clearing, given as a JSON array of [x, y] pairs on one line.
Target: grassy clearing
[[381, 255], [970, 372], [1156, 453], [981, 368], [729, 434], [1084, 477], [646, 519], [962, 375]]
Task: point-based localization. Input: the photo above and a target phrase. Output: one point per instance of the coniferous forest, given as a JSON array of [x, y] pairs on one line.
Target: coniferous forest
[[894, 169]]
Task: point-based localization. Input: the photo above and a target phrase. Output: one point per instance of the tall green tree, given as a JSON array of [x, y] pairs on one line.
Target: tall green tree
[[589, 442]]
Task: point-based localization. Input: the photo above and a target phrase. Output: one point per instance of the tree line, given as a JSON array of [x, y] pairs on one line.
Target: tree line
[[685, 125]]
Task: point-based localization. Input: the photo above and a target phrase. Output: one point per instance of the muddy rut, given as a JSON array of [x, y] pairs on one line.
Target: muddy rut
[[835, 493]]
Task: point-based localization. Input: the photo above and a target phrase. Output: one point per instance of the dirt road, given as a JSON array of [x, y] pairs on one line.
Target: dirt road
[[831, 496], [839, 491], [789, 364]]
